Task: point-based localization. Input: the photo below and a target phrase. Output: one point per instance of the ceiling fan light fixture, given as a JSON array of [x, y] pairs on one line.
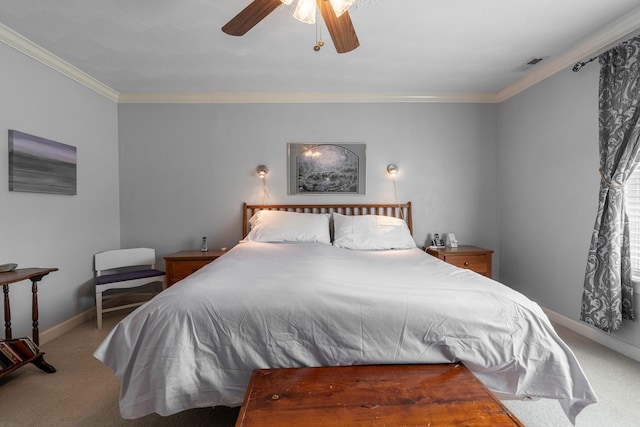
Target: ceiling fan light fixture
[[341, 6], [340, 29], [306, 11]]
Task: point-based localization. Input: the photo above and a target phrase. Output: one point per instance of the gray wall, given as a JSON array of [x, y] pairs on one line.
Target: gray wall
[[44, 230], [186, 169], [549, 181]]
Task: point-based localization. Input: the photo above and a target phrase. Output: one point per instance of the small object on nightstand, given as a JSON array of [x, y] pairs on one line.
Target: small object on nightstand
[[203, 246], [452, 242], [437, 242]]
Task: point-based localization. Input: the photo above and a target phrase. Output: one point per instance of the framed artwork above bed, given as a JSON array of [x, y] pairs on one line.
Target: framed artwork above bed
[[327, 168]]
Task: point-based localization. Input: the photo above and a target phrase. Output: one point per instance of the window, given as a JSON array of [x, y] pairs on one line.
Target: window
[[632, 196]]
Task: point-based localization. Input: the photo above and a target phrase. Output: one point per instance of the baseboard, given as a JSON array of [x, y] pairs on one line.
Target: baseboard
[[594, 334], [59, 329]]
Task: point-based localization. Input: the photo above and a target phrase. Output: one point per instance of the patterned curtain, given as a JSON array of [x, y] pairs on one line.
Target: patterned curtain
[[608, 291]]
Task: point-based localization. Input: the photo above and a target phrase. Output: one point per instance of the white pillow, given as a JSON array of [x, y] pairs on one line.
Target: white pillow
[[282, 226], [371, 232]]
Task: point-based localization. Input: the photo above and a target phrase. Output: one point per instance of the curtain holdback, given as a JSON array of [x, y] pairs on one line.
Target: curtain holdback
[[608, 183]]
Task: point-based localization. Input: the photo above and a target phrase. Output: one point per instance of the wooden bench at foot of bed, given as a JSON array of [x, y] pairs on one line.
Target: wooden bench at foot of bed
[[385, 395]]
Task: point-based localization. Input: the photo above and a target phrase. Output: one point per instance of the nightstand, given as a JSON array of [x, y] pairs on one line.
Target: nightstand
[[465, 256], [181, 264]]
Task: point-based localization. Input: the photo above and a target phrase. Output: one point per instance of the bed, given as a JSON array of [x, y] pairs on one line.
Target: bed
[[330, 285]]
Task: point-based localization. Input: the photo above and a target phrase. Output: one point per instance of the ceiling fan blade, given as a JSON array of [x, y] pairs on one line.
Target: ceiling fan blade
[[250, 16], [340, 28]]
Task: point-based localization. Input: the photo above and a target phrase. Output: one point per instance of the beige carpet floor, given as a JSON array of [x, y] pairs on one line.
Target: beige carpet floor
[[84, 392]]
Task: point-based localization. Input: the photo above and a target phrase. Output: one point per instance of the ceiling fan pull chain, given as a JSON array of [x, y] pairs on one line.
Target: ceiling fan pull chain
[[319, 42]]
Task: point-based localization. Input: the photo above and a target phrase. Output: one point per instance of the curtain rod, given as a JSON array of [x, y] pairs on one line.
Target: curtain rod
[[579, 65]]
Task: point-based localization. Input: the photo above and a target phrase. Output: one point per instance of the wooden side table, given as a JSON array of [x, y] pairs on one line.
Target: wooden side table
[[35, 275], [181, 264], [465, 256]]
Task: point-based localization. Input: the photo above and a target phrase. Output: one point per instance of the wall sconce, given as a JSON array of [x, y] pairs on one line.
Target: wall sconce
[[262, 171], [392, 170]]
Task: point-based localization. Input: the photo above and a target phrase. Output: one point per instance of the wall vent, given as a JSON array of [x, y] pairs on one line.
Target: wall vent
[[531, 62]]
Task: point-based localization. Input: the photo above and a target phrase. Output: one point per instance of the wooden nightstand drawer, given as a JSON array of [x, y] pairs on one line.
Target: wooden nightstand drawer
[[469, 257], [477, 263], [182, 264], [185, 268]]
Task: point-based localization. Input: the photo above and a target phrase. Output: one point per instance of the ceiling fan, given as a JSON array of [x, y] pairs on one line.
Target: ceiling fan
[[334, 12]]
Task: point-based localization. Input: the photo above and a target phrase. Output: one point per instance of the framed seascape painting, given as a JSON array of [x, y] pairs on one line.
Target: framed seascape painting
[[324, 168], [39, 165]]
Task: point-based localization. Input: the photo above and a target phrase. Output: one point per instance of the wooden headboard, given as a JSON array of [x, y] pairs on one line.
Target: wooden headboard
[[396, 210]]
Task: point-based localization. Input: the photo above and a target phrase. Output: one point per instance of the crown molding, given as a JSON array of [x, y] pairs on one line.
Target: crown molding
[[301, 98], [608, 35], [32, 50], [623, 27]]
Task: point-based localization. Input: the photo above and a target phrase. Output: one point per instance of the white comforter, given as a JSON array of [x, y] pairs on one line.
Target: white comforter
[[268, 305]]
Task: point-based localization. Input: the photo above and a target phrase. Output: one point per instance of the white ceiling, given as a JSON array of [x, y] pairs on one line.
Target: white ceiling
[[411, 47]]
